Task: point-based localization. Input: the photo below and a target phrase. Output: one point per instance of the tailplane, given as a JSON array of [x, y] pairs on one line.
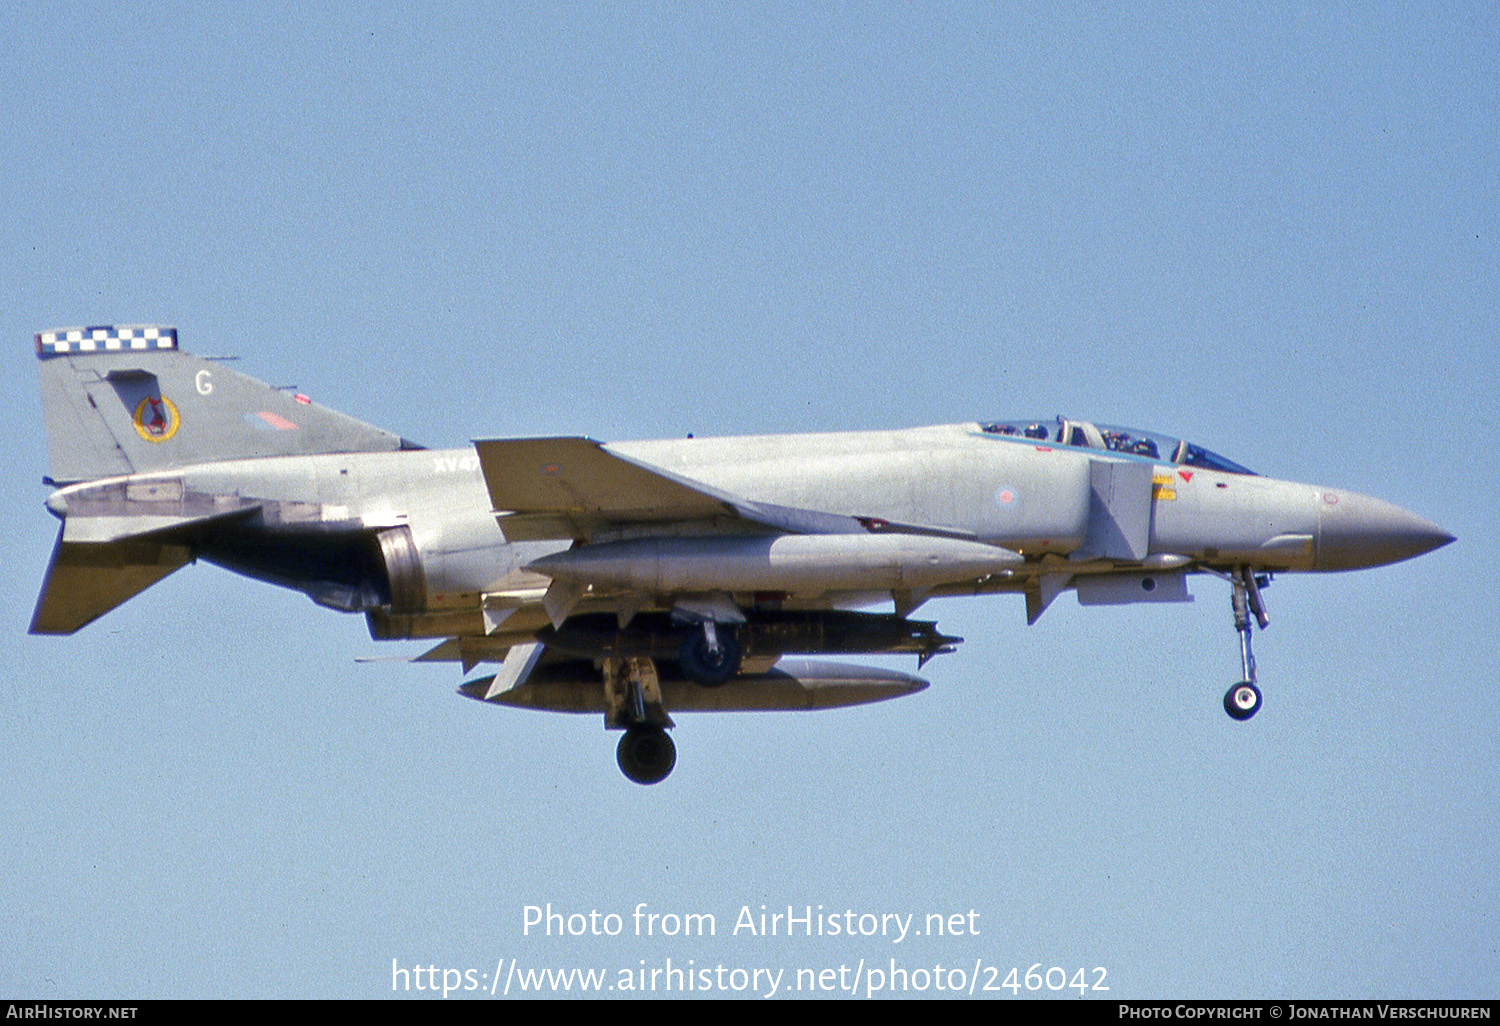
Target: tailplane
[[123, 399]]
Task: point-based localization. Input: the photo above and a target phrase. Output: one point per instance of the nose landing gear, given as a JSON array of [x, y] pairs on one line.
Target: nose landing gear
[[1243, 700]]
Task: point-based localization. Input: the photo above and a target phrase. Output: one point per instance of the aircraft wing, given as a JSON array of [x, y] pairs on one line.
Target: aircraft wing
[[550, 488]]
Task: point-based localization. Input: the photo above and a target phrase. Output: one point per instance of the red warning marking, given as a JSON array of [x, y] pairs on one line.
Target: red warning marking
[[279, 423], [1044, 448], [304, 400], [1186, 475]]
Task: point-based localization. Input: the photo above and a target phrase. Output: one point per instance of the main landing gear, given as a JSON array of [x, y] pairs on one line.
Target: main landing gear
[[646, 754], [1243, 700], [710, 657], [632, 702], [632, 699]]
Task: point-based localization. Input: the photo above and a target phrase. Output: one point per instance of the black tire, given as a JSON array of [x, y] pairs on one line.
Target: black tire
[[707, 667], [1242, 701], [646, 755]]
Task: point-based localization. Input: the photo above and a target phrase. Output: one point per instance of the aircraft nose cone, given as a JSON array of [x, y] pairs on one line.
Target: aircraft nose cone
[[1356, 531]]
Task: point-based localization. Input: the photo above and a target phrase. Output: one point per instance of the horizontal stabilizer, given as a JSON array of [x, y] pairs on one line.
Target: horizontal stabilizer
[[84, 581], [95, 530]]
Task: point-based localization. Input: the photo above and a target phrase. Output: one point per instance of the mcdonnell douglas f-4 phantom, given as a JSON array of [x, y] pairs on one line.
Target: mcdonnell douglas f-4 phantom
[[630, 579]]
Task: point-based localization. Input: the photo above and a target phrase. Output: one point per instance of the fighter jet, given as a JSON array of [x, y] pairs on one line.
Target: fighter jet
[[636, 579]]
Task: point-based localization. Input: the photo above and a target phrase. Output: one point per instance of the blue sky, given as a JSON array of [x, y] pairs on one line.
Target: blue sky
[[1271, 229]]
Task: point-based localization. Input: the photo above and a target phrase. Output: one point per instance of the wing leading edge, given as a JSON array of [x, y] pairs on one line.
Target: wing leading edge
[[553, 488]]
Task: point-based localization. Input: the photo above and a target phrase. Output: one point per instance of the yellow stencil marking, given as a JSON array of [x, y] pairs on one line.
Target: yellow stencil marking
[[156, 421]]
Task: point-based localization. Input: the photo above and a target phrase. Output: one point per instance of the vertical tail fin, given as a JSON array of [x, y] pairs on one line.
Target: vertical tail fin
[[123, 399]]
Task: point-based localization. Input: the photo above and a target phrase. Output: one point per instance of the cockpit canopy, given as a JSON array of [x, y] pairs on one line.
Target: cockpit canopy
[[1083, 435]]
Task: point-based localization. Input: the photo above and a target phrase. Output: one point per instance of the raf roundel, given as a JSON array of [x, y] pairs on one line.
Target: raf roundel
[[156, 418]]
